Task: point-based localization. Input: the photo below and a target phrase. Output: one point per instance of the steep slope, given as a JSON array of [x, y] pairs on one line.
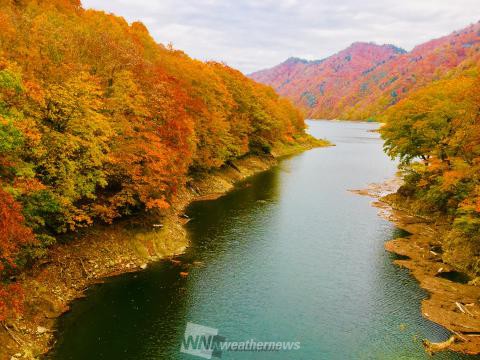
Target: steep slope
[[320, 84], [107, 120], [98, 121], [353, 85]]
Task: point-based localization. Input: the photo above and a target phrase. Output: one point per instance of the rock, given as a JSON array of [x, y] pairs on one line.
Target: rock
[[41, 330], [143, 266]]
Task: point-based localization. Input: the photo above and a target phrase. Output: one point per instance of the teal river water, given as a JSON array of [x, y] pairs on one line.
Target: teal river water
[[290, 255]]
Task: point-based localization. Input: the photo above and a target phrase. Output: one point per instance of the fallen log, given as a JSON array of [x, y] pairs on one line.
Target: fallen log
[[433, 348]]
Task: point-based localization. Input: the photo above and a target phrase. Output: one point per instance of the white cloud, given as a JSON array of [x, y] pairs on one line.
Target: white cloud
[[255, 34]]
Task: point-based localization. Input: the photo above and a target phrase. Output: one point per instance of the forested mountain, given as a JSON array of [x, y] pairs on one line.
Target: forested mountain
[[97, 120], [319, 85], [363, 80]]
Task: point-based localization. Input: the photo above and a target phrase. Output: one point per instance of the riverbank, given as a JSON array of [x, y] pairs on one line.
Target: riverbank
[[129, 245], [453, 300]]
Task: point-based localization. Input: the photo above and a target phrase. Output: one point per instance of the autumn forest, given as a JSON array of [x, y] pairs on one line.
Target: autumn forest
[[100, 123]]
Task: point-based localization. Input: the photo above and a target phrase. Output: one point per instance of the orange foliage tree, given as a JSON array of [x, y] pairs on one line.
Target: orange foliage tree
[[436, 134]]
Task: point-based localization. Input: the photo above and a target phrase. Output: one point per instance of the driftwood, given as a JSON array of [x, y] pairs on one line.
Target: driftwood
[[433, 348], [12, 335], [462, 308], [231, 164]]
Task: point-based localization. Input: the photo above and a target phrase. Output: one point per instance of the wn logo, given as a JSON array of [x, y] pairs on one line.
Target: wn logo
[[202, 341]]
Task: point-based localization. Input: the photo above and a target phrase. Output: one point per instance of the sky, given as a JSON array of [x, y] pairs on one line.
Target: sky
[[252, 35]]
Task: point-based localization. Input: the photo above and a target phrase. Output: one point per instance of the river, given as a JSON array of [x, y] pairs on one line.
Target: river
[[289, 256]]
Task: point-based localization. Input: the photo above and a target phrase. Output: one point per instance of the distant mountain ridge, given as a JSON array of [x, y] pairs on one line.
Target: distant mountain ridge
[[364, 79]]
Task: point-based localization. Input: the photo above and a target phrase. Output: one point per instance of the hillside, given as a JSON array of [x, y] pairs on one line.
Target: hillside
[[365, 79], [98, 121]]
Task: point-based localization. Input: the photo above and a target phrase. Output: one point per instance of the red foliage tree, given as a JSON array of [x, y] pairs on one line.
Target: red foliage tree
[[13, 235]]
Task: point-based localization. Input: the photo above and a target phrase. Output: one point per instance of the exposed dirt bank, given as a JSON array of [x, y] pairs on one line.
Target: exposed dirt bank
[[103, 251], [454, 300]]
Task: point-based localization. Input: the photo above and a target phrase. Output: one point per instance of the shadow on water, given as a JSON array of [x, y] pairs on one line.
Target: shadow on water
[[209, 217]]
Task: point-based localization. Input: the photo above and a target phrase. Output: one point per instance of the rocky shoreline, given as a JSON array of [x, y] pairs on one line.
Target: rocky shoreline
[[103, 251], [454, 301]]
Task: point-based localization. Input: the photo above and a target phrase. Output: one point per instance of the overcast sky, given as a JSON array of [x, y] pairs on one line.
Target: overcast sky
[[254, 34]]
